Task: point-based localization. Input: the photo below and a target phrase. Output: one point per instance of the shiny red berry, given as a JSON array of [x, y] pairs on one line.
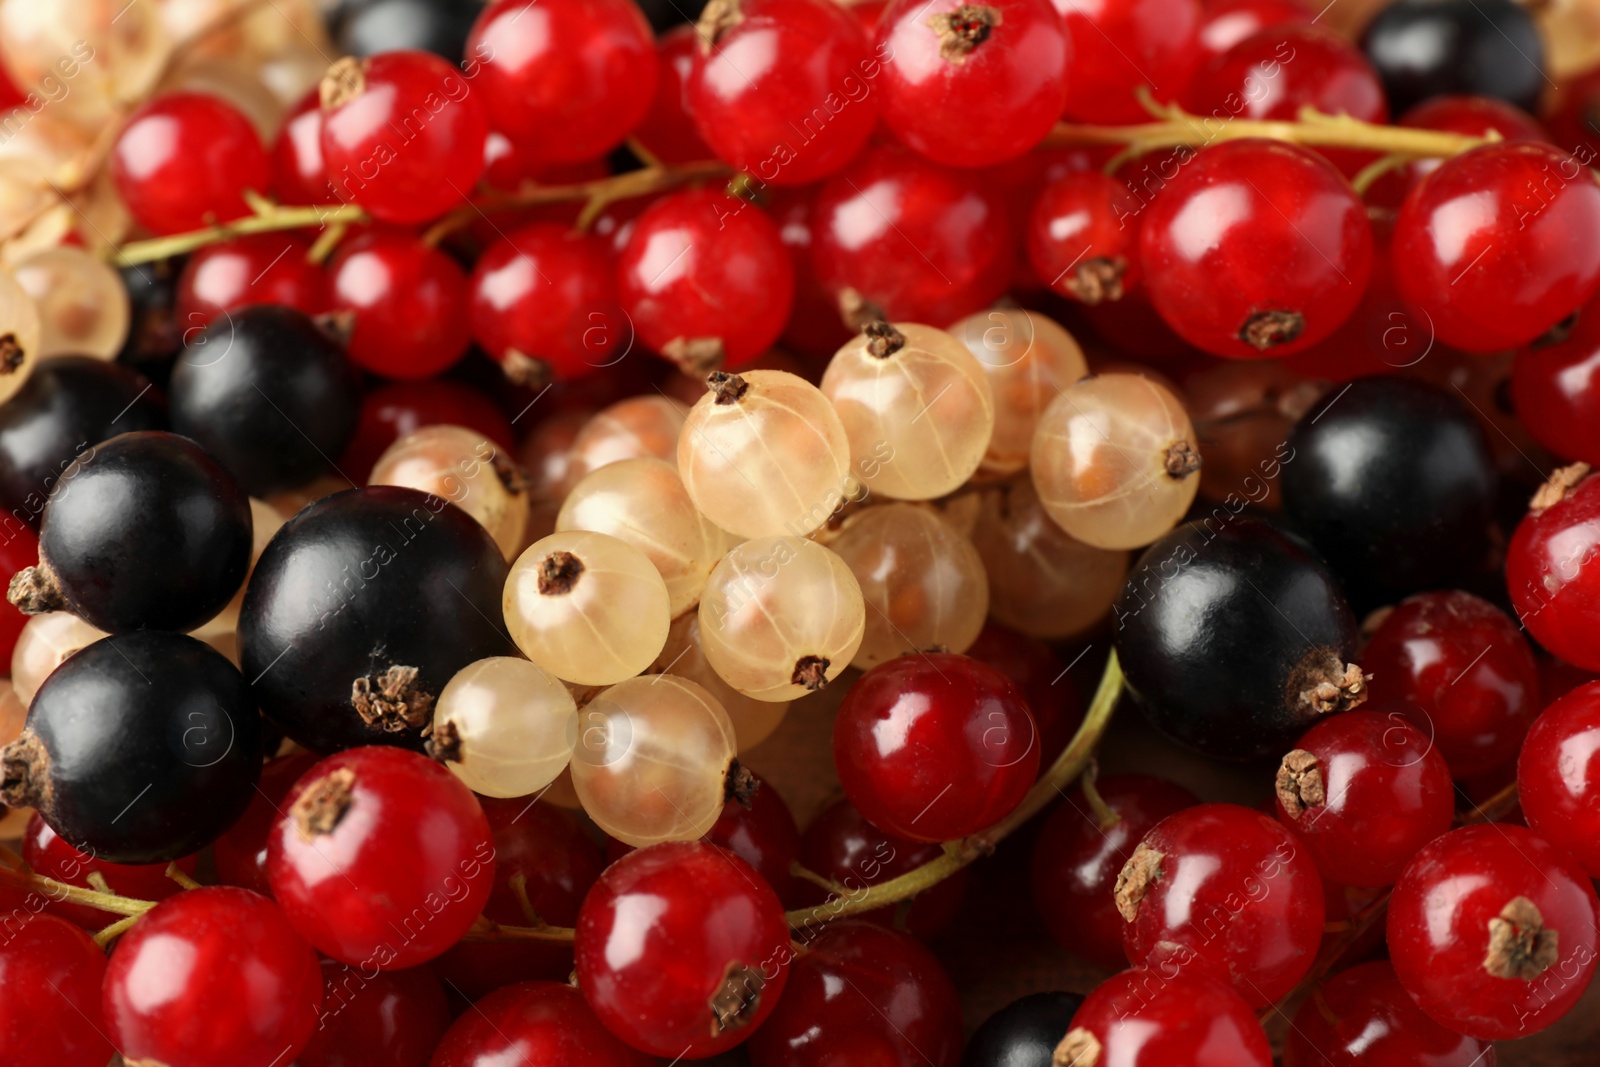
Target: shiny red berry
[[408, 301], [1119, 46], [184, 160], [533, 1023], [1224, 23], [763, 834], [1159, 1016], [1499, 244], [1363, 1017], [48, 854], [395, 1018], [1552, 578], [669, 131], [212, 976], [935, 747], [402, 134], [1043, 678], [263, 268], [1558, 776], [299, 175], [1556, 391], [50, 1015], [381, 858], [1083, 237], [399, 408], [815, 328], [240, 854], [1492, 931]]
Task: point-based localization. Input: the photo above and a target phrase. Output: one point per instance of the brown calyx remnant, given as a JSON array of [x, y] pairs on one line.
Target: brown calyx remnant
[[1325, 683], [1134, 880], [345, 80], [1269, 329], [445, 743], [514, 477], [319, 809], [857, 311], [1300, 783], [718, 17], [12, 357], [391, 701], [25, 773], [1079, 1048], [337, 326], [1374, 619], [741, 785], [883, 340], [522, 369], [737, 997], [962, 30], [728, 388], [1519, 945], [1097, 279], [34, 590], [696, 355], [1555, 488], [1182, 459], [558, 573], [811, 672]]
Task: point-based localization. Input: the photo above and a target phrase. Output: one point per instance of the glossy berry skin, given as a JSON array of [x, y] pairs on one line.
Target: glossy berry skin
[[170, 563], [141, 748], [1058, 709], [400, 408], [1083, 237], [763, 834], [1013, 56], [1372, 792], [533, 1022], [390, 1017], [1554, 388], [1289, 619], [1221, 867], [1148, 1017], [1363, 1017], [1119, 45], [1024, 1033], [409, 301], [548, 293], [1450, 921], [1224, 23], [879, 995], [1516, 264], [262, 268], [184, 161], [369, 552], [1076, 861], [786, 90], [299, 175], [669, 130], [1550, 574], [571, 77], [379, 154], [694, 981], [702, 269], [50, 1016], [269, 394], [1256, 248], [381, 858], [1394, 483], [1558, 778], [49, 854], [1426, 48], [213, 975], [1462, 671], [870, 222], [935, 747], [240, 855]]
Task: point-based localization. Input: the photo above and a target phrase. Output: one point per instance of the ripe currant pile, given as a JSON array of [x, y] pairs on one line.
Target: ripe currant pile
[[473, 472]]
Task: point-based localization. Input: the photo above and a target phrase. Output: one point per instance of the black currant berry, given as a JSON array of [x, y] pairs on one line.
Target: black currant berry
[[1393, 481], [142, 748], [1428, 48], [360, 610], [69, 405], [1024, 1033], [154, 333], [268, 393], [367, 27], [143, 532], [1234, 639]]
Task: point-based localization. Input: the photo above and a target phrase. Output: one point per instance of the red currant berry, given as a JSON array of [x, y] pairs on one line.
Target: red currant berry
[[1556, 391], [784, 89], [1497, 245], [1473, 116], [1492, 931], [1041, 676], [1153, 1017], [381, 858], [548, 293], [1461, 670], [1256, 248], [212, 976], [400, 408], [19, 549], [402, 134], [409, 301], [1083, 237], [570, 78], [298, 173], [1364, 791], [1364, 1018], [184, 160], [815, 328], [917, 241], [1229, 890], [705, 276], [763, 834], [508, 165], [1081, 850], [50, 1016], [861, 994], [1574, 119], [1119, 46], [947, 56], [50, 855], [263, 268], [1558, 777], [1550, 574], [935, 747], [395, 1018], [848, 850], [669, 131], [241, 853], [1224, 23], [533, 1022], [669, 975]]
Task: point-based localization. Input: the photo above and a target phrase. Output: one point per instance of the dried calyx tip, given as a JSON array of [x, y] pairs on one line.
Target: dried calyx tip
[[1079, 1048], [727, 388], [344, 81], [741, 785], [810, 672], [515, 478], [1555, 489], [391, 700], [33, 591], [963, 30], [558, 573], [718, 18], [1341, 689], [857, 311], [883, 340], [737, 997], [696, 355], [1269, 329], [1519, 945], [24, 772], [1142, 870], [12, 356], [522, 369], [1182, 459], [324, 802], [1097, 279], [445, 744], [1300, 784]]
